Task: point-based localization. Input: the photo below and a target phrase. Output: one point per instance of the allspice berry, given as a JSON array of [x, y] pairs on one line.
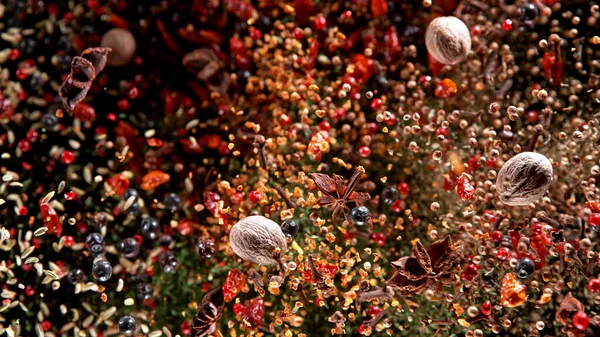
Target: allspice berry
[[448, 40], [255, 238], [524, 179], [123, 46]]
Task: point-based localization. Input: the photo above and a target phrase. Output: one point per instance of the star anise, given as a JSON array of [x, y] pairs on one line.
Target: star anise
[[338, 194], [416, 273]]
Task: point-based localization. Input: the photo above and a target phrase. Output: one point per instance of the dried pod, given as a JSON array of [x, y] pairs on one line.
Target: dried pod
[[255, 238], [84, 70], [209, 312], [123, 45], [524, 179], [448, 40]]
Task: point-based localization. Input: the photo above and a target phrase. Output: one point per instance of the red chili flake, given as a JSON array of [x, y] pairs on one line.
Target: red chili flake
[[154, 142], [553, 67], [379, 8], [303, 10], [243, 9], [393, 49], [153, 179], [435, 65], [464, 188], [238, 309], [254, 313], [594, 206], [234, 283], [50, 219], [311, 55]]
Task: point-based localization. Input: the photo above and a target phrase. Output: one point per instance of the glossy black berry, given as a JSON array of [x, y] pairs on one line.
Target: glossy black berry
[[75, 276], [100, 220], [360, 215], [381, 83], [96, 250], [102, 270], [134, 208], [165, 240], [290, 228], [172, 202], [490, 279], [389, 195], [144, 291], [529, 11], [150, 228], [525, 267], [130, 192], [167, 261], [207, 248], [94, 239], [127, 325], [129, 248], [49, 120]]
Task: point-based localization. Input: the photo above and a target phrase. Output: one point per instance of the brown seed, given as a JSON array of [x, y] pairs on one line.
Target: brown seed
[[123, 46], [524, 179], [448, 40], [255, 238]]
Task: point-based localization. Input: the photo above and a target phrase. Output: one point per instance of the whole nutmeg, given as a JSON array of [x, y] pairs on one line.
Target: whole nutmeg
[[448, 39], [123, 46], [524, 179], [255, 238]]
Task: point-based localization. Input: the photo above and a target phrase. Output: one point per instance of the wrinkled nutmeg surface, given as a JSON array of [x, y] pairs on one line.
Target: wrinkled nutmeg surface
[[524, 179], [448, 39], [254, 239]]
